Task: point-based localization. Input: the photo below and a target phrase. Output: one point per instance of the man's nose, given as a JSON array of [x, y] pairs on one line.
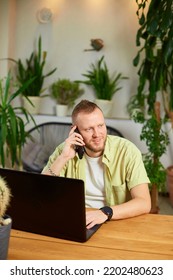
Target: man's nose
[[95, 132]]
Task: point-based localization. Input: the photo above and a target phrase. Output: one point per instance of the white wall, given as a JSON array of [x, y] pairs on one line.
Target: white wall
[[7, 29], [74, 24]]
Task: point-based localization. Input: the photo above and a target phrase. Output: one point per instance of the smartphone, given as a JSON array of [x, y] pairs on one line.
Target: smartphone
[[79, 149]]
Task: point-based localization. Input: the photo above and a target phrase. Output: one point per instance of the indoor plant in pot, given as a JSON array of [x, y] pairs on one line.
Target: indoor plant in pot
[[33, 67], [12, 127], [5, 220], [103, 84], [65, 92], [155, 87]]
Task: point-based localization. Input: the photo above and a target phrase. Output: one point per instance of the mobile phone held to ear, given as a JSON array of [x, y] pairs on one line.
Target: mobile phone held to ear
[[79, 149]]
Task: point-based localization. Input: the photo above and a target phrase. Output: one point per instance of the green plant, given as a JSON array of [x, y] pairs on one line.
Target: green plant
[[98, 77], [33, 67], [12, 126], [5, 195], [155, 60], [65, 92]]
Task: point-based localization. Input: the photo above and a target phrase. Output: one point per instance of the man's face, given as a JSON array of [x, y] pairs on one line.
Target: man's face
[[93, 129]]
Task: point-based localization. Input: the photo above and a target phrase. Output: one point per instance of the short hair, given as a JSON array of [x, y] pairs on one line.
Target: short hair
[[85, 106]]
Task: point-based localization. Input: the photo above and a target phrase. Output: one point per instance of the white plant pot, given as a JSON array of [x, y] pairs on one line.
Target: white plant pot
[[105, 106], [36, 100], [61, 110]]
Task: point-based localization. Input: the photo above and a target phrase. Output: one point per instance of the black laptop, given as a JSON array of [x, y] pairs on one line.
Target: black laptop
[[48, 205]]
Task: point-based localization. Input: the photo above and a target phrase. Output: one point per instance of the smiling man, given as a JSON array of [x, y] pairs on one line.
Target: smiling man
[[116, 183]]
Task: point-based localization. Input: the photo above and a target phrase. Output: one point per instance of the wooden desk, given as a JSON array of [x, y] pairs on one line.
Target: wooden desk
[[145, 237]]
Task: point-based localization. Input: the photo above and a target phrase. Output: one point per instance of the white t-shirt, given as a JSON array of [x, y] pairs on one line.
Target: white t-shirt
[[95, 191]]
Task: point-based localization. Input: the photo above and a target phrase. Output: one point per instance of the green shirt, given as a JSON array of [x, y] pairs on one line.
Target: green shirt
[[123, 168]]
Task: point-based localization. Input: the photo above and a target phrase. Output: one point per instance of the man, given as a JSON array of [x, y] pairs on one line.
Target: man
[[111, 167]]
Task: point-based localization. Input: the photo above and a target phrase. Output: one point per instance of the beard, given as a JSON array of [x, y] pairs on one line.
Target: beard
[[96, 148]]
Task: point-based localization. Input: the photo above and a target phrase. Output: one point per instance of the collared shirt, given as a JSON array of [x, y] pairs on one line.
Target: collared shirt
[[124, 168]]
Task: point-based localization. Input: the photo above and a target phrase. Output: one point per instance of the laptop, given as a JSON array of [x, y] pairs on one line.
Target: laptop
[[48, 205]]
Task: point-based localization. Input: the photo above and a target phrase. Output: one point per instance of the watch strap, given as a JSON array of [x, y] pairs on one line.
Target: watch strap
[[107, 211]]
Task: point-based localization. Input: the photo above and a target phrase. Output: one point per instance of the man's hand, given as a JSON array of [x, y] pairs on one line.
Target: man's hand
[[68, 152], [72, 140], [94, 217]]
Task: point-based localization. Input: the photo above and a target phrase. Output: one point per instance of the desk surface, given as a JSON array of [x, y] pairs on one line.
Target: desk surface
[[144, 237]]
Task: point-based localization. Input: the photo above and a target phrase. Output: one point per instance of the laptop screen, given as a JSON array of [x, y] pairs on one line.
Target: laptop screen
[[48, 205]]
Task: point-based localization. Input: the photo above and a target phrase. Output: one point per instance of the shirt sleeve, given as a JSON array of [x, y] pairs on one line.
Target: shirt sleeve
[[53, 157], [136, 172]]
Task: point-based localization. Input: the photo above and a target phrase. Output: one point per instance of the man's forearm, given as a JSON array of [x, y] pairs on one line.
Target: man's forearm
[[133, 207], [55, 168]]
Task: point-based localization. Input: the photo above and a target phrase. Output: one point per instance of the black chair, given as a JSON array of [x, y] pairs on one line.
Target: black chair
[[114, 131], [43, 140]]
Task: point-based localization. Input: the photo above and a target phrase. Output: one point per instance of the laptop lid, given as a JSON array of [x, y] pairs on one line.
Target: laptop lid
[[47, 205]]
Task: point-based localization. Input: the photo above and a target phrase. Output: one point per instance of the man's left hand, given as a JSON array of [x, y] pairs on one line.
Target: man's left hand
[[94, 217]]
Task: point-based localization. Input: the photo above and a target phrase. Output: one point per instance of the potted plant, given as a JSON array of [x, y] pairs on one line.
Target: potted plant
[[65, 92], [5, 220], [33, 67], [12, 126], [103, 84], [155, 61]]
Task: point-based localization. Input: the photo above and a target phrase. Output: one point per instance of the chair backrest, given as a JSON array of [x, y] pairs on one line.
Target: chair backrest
[[114, 131], [44, 138]]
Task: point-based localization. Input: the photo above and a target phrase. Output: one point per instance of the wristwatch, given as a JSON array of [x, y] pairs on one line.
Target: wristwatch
[[107, 211]]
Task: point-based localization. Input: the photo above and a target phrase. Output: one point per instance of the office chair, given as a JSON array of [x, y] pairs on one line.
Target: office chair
[[42, 141]]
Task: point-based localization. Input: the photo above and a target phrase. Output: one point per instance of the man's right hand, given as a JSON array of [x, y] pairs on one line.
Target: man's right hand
[[73, 139]]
